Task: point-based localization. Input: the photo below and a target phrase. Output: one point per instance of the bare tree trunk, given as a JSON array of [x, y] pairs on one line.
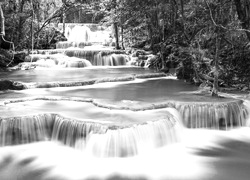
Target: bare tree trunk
[[32, 28], [116, 36], [21, 22], [2, 32], [216, 68], [150, 32], [63, 21], [122, 34]]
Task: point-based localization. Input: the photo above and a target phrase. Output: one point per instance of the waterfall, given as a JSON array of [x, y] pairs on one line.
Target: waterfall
[[74, 133], [247, 105], [106, 140], [78, 34], [100, 58], [27, 129], [68, 44], [137, 139], [86, 33], [78, 58], [213, 115], [55, 60], [79, 37]]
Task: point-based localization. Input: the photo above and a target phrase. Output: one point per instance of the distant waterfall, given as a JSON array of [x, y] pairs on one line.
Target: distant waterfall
[[78, 34], [100, 58], [87, 42]]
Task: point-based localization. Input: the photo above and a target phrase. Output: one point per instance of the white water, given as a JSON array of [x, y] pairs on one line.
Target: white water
[[83, 33], [128, 122], [203, 155]]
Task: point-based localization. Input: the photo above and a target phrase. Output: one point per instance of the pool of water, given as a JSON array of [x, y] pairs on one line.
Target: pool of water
[[82, 111], [136, 91], [71, 74]]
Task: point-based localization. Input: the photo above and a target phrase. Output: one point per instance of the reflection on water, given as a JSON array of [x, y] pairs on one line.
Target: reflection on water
[[154, 90], [66, 75]]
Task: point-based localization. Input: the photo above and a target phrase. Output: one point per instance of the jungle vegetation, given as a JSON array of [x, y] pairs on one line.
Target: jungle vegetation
[[206, 41]]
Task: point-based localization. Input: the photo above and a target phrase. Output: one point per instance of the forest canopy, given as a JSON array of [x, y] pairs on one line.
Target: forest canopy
[[202, 39]]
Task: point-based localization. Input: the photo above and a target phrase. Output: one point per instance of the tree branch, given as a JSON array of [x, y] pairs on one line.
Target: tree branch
[[219, 25]]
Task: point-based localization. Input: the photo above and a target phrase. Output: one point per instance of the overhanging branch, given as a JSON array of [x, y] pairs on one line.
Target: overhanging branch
[[219, 25]]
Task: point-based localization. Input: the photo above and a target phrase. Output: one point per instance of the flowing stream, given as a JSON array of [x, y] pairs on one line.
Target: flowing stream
[[84, 113]]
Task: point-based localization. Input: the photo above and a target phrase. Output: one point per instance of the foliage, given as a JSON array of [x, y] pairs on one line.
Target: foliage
[[206, 40]]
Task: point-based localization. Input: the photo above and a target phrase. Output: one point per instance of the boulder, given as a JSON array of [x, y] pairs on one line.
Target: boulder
[[10, 85]]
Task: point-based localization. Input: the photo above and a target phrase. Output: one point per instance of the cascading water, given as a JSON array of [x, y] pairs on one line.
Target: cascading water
[[87, 33], [75, 133], [98, 139], [28, 129], [80, 36], [145, 118], [137, 139], [247, 105], [215, 115]]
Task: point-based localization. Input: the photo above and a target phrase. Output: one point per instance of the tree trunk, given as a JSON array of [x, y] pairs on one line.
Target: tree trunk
[[31, 30], [116, 36], [122, 34], [150, 32], [3, 43], [2, 32], [21, 22], [243, 11], [63, 21], [216, 68]]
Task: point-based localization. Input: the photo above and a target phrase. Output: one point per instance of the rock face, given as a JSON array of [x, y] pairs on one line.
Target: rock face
[[12, 85]]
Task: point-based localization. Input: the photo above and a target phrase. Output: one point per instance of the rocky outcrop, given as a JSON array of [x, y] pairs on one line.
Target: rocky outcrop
[[12, 85]]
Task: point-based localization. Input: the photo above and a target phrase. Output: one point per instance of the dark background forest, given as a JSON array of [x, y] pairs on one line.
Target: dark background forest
[[206, 41]]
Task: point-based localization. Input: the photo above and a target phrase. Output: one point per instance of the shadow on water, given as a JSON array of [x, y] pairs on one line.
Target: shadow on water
[[229, 157]]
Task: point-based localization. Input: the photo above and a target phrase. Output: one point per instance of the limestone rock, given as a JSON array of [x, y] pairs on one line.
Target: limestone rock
[[12, 85]]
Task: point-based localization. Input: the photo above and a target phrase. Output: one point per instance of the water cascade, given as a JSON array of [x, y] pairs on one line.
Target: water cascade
[[53, 60], [27, 129], [86, 33], [74, 133], [80, 37], [67, 44], [97, 138], [83, 31], [137, 139], [100, 57], [137, 118], [215, 115]]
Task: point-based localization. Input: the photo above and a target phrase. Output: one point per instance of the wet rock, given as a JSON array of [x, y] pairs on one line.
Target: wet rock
[[12, 85]]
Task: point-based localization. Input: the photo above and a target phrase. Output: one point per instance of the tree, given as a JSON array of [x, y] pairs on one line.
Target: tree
[[243, 11], [3, 43]]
